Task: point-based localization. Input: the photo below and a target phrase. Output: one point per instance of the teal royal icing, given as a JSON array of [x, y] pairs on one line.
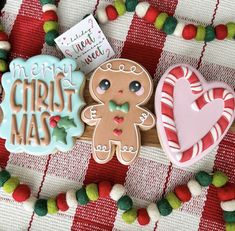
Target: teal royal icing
[[42, 68]]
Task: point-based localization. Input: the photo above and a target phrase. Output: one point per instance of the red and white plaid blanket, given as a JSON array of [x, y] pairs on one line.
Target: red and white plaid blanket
[[152, 175]]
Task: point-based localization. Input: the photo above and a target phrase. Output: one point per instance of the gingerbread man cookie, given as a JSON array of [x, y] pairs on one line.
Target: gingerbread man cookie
[[120, 87]]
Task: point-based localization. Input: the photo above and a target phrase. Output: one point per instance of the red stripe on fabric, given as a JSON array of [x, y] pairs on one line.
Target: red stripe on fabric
[[4, 154], [212, 214], [144, 42], [27, 35]]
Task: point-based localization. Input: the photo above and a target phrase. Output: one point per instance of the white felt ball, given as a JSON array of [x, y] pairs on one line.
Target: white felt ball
[[153, 212], [29, 204], [5, 45], [195, 188], [101, 15], [228, 205], [179, 29], [141, 9], [117, 192], [48, 7], [71, 198]]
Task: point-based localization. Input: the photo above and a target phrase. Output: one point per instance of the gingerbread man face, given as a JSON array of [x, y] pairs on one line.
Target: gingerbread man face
[[122, 81], [120, 87]]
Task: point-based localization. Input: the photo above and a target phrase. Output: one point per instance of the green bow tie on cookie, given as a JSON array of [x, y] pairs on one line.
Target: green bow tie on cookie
[[115, 107]]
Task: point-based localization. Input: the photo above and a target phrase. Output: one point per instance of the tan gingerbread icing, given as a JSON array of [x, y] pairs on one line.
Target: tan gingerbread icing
[[120, 87]]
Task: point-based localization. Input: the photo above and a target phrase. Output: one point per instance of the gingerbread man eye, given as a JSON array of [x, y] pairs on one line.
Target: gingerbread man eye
[[104, 84], [134, 86]]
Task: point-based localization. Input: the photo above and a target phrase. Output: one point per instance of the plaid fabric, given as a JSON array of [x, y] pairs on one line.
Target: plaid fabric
[[152, 175]]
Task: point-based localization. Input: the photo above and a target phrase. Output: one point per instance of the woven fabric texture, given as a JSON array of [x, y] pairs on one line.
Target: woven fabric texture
[[152, 175]]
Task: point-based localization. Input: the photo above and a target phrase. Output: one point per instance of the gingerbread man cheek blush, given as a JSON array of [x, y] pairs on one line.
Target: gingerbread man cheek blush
[[190, 130], [120, 87]]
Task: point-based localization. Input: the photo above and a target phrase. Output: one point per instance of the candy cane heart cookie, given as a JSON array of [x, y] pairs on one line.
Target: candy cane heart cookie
[[120, 87]]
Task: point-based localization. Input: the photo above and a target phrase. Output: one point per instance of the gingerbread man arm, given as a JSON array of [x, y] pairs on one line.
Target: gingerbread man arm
[[145, 119], [91, 114]]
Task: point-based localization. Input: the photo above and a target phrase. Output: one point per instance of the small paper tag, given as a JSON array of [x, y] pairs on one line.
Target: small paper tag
[[86, 43]]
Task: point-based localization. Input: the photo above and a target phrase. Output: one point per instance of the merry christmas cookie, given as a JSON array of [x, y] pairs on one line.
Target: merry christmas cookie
[[120, 87], [41, 106], [193, 115]]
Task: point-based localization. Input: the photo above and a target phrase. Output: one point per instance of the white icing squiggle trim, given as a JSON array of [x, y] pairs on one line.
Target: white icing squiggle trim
[[93, 113], [121, 69], [128, 149], [101, 148], [143, 117]]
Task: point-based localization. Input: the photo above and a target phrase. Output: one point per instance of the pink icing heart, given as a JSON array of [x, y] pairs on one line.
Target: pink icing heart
[[193, 116]]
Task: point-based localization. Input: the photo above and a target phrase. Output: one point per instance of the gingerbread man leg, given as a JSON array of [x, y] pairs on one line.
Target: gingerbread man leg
[[128, 149], [103, 150]]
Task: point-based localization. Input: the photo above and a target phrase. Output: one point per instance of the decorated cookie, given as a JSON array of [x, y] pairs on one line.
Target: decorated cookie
[[193, 115], [120, 87], [41, 106]]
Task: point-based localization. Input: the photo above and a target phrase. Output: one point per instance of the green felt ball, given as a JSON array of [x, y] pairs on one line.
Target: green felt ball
[[125, 203], [164, 207], [129, 216], [230, 226], [4, 176], [50, 25], [229, 216], [131, 5], [170, 25], [210, 33], [52, 206], [40, 207], [160, 20], [219, 179], [50, 37], [203, 178], [1, 27], [120, 7], [44, 2], [3, 65], [3, 54], [11, 184], [173, 200], [231, 30], [201, 33], [92, 192], [82, 197]]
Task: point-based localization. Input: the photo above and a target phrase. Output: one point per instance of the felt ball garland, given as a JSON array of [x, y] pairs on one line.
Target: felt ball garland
[[104, 189], [50, 19], [164, 22]]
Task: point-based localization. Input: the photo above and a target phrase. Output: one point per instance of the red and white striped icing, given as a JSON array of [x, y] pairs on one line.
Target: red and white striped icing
[[167, 111]]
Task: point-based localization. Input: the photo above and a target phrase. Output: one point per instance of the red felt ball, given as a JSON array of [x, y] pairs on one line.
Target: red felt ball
[[143, 217], [189, 32], [21, 193], [183, 193], [61, 202], [50, 15], [227, 192], [111, 12], [105, 188], [3, 36], [221, 32], [151, 14]]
